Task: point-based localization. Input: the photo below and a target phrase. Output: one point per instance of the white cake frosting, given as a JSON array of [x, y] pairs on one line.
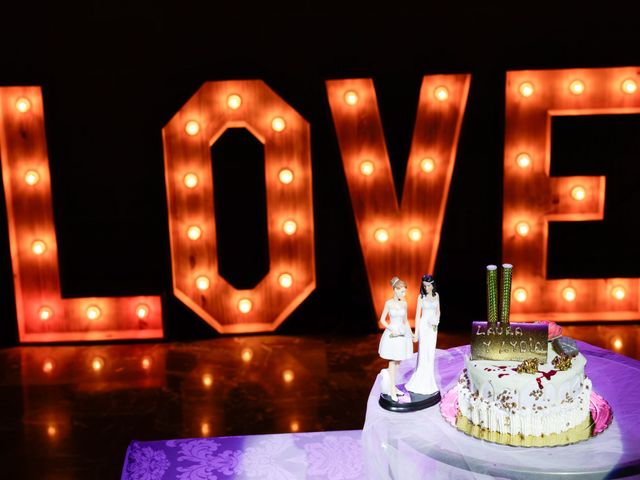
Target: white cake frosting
[[494, 396]]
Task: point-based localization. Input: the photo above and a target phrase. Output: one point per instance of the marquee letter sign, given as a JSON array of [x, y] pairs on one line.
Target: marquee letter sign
[[189, 180], [532, 198], [43, 315], [398, 240]]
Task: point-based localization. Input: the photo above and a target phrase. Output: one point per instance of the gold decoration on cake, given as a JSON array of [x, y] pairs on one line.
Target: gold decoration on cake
[[580, 432], [501, 340], [529, 365], [562, 362]]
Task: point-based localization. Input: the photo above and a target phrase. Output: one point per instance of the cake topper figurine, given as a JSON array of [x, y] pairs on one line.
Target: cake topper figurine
[[396, 345], [396, 342], [423, 380]]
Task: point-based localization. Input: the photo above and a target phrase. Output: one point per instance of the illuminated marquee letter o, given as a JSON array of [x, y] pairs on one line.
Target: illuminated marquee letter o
[[188, 137]]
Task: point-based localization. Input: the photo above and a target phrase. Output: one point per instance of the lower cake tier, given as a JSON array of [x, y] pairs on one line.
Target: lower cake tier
[[500, 415]]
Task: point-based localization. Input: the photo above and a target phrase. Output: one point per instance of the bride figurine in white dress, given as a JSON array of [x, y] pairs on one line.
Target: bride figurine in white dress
[[396, 342], [423, 380]]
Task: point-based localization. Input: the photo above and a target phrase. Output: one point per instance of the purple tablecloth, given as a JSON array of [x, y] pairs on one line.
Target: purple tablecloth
[[318, 455], [422, 445]]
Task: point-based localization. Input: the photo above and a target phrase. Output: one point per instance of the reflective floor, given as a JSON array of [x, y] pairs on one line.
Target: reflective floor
[[69, 412]]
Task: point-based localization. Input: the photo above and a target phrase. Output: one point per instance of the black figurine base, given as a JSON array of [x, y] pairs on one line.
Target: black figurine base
[[409, 402]]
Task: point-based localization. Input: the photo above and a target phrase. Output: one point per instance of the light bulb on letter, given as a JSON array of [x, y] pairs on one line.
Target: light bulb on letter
[[367, 168], [278, 124], [93, 312], [202, 282], [285, 176], [576, 87], [194, 232], [351, 98], [441, 93], [234, 101], [245, 305], [569, 294], [192, 128], [31, 177], [526, 89]]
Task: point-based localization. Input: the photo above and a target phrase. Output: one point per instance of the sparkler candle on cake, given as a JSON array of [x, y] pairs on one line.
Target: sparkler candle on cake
[[492, 295], [505, 298]]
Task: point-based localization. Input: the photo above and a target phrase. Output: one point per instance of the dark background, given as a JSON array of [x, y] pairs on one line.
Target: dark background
[[113, 74]]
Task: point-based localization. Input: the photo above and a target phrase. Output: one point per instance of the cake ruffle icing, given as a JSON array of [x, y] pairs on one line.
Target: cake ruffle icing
[[494, 396]]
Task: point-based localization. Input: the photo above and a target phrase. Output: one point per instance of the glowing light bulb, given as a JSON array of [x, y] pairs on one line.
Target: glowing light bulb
[[618, 292], [202, 282], [47, 366], [234, 101], [146, 362], [441, 93], [278, 124], [31, 177], [427, 165], [522, 229], [569, 294], [194, 232], [97, 364], [381, 235], [520, 295], [289, 227], [578, 193], [285, 176], [45, 313], [38, 247], [204, 428], [351, 98], [246, 355], [617, 343], [285, 280], [23, 105], [629, 86], [523, 160], [414, 234], [288, 376], [576, 87], [294, 426], [367, 168], [52, 431], [190, 180], [192, 128], [93, 312], [142, 311], [526, 89], [207, 380], [245, 305]]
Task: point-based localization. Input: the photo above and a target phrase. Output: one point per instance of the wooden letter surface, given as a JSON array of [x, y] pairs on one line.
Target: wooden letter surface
[[23, 149], [357, 121], [533, 197], [188, 137]]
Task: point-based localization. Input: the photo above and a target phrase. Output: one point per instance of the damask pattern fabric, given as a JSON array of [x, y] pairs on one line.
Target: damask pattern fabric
[[317, 455]]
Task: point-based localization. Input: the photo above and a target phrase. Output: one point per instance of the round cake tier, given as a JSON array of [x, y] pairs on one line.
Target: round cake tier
[[494, 396]]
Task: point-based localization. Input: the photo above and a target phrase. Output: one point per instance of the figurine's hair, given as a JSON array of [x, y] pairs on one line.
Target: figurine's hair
[[429, 279], [397, 283]]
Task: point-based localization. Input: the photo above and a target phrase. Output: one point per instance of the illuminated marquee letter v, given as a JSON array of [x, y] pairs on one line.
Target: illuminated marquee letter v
[[398, 240]]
